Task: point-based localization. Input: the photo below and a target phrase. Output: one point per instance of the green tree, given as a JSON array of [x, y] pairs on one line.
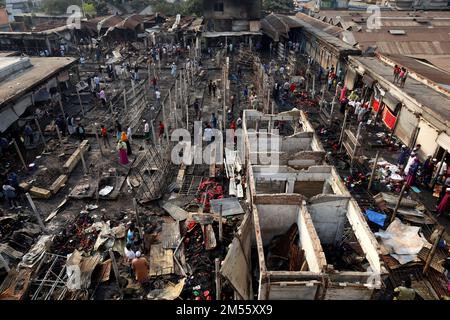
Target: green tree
[[192, 7], [101, 8], [139, 5], [278, 5], [89, 9], [58, 6], [185, 8]]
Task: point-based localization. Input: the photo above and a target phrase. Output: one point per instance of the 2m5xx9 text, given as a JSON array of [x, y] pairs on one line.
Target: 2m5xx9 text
[[246, 309]]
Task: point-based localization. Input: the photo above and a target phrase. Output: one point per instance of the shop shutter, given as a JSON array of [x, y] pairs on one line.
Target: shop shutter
[[406, 126], [444, 141]]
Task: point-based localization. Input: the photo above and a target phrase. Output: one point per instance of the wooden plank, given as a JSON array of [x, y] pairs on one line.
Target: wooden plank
[[40, 193], [170, 235], [175, 212], [24, 186], [73, 160], [59, 183], [161, 260]]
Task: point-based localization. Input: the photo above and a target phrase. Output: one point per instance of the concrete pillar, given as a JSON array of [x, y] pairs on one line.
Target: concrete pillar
[[326, 187], [290, 186]]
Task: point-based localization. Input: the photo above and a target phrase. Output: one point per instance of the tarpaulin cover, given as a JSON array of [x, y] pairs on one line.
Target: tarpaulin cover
[[401, 241], [376, 217]]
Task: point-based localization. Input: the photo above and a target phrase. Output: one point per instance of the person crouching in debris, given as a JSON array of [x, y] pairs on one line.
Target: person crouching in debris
[[10, 195], [122, 148], [405, 292], [140, 267]]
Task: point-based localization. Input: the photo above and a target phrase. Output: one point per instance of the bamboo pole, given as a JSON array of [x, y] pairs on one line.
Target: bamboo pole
[[217, 278], [341, 137], [397, 206], [36, 212], [81, 103], [40, 133], [98, 140], [440, 233], [220, 223], [373, 171], [20, 154]]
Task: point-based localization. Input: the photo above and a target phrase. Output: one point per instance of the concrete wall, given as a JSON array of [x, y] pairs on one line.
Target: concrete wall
[[310, 243], [299, 142], [281, 289], [365, 236], [328, 213], [276, 220], [237, 267]]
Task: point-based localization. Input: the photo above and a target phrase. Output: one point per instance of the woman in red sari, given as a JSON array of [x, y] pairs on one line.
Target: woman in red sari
[[443, 205], [122, 148]]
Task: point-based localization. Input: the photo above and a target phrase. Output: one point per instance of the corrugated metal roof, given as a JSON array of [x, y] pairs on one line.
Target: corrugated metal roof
[[275, 26], [131, 22], [436, 106], [105, 22], [330, 29], [422, 68], [440, 61]]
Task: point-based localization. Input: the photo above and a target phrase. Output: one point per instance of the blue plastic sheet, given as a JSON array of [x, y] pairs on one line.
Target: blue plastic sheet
[[376, 217]]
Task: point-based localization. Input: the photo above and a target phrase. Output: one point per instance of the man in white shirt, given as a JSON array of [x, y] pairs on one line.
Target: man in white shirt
[[208, 134], [158, 96], [146, 131], [129, 134], [443, 169], [410, 162], [129, 256]]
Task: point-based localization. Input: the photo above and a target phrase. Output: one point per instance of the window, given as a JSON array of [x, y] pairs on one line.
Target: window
[[218, 6], [397, 32]]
